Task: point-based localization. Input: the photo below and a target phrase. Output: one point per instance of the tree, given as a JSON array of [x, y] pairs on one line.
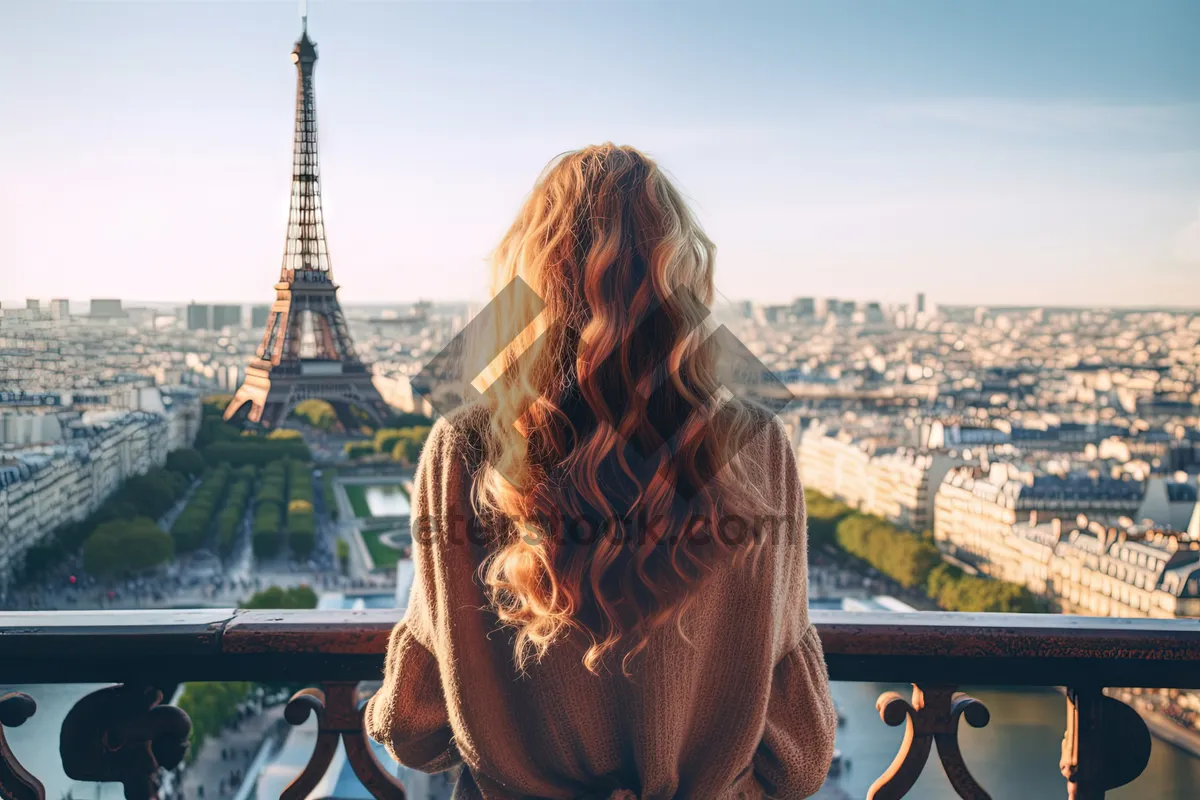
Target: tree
[[317, 413], [356, 450], [192, 526], [266, 537], [284, 434], [227, 526], [299, 481], [823, 518], [298, 507], [913, 558], [154, 492], [402, 444], [385, 439], [328, 494], [941, 579], [902, 556], [408, 447], [122, 547], [229, 520], [150, 494], [956, 591], [186, 461], [257, 450], [74, 534], [274, 597], [213, 427], [302, 527], [216, 404], [43, 556], [407, 419], [913, 561], [270, 491], [302, 540], [211, 706]]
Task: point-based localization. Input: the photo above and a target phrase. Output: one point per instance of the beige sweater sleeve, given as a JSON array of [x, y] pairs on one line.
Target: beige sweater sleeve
[[793, 757], [409, 714]]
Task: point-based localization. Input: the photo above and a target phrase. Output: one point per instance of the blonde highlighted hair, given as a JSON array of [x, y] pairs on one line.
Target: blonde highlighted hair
[[606, 455]]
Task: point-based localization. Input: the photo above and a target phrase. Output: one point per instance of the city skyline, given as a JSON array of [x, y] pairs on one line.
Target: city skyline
[[828, 153], [79, 305]]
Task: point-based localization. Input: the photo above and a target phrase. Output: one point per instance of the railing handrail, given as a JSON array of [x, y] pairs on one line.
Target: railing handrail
[[226, 644], [1106, 743]]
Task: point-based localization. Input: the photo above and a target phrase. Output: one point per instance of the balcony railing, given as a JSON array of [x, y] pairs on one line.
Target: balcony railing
[[124, 733]]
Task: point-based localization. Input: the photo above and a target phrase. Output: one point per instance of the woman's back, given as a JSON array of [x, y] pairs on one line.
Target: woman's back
[[610, 552], [739, 708]]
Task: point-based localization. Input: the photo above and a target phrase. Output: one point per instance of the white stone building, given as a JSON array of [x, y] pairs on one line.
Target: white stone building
[[45, 487], [976, 512], [834, 463], [902, 486], [898, 485]]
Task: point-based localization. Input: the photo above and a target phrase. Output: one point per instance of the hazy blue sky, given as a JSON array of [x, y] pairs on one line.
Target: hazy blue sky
[[980, 151]]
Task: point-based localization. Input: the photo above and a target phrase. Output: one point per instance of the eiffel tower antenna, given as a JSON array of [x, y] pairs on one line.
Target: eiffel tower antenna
[[304, 16]]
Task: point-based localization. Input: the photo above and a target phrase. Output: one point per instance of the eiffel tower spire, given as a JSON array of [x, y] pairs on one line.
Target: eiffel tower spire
[[306, 351], [306, 255]]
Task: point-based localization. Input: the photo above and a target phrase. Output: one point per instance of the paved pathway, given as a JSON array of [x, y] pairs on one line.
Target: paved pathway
[[209, 770]]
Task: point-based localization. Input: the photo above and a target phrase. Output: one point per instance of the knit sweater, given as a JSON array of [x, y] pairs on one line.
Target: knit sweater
[[741, 709]]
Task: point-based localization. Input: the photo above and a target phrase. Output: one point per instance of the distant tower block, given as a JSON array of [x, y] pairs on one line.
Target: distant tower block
[[306, 352]]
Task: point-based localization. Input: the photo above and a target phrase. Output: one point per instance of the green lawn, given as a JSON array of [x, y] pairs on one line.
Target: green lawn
[[356, 493], [384, 557], [372, 528]]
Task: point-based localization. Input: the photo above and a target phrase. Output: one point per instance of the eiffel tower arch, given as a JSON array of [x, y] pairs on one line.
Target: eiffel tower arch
[[306, 351]]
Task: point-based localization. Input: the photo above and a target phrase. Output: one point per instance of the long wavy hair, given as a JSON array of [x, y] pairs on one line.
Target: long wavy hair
[[608, 455]]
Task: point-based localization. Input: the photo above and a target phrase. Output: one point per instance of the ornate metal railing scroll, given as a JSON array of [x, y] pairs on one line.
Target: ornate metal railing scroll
[[931, 719], [339, 713], [15, 781], [124, 734]]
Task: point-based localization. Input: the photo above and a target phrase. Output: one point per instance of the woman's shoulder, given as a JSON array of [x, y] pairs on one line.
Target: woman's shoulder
[[457, 437], [763, 442], [445, 472]]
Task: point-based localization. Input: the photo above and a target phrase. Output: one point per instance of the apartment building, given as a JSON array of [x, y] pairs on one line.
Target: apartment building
[[18, 428], [834, 462], [1169, 502], [45, 487], [54, 421], [975, 511], [902, 486], [1126, 572], [898, 484], [1028, 554]]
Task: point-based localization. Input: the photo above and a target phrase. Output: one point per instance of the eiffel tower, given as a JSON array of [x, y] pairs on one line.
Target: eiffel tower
[[306, 351]]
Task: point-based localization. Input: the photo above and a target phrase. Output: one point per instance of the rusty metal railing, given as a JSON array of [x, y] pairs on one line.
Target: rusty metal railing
[[126, 734]]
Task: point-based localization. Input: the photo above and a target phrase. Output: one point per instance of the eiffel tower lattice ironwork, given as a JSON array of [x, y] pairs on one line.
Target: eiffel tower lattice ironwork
[[306, 351]]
